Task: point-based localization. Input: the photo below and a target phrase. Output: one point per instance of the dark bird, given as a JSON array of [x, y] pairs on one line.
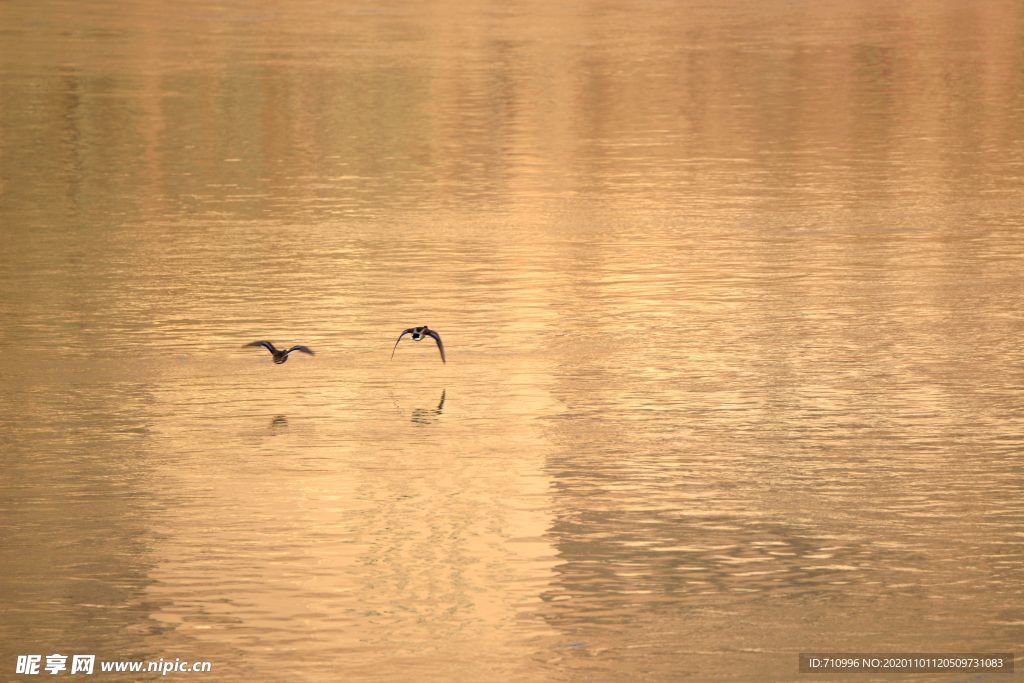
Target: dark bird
[[419, 333], [280, 356]]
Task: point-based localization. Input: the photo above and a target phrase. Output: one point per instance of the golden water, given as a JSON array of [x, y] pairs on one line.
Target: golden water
[[731, 294]]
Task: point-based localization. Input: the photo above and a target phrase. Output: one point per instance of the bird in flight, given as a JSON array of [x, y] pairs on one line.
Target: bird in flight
[[279, 355], [419, 333]]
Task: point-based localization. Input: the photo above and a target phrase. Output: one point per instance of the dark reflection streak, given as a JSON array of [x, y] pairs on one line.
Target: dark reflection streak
[[72, 135]]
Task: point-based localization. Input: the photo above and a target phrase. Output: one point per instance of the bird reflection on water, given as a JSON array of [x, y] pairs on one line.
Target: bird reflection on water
[[279, 424], [423, 416]]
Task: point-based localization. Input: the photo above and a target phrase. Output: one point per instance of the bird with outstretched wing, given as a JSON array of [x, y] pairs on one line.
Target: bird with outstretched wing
[[419, 333]]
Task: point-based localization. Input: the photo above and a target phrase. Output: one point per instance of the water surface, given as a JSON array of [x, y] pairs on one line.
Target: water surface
[[730, 292]]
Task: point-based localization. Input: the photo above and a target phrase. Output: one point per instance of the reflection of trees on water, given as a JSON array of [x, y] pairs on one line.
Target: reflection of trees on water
[[479, 130], [78, 499], [619, 561]]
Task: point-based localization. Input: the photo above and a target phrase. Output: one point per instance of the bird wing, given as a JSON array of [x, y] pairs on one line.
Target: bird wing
[[408, 331], [304, 349], [265, 344], [440, 345]]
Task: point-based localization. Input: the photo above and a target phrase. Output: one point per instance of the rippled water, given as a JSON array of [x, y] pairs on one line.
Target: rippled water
[[731, 295]]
